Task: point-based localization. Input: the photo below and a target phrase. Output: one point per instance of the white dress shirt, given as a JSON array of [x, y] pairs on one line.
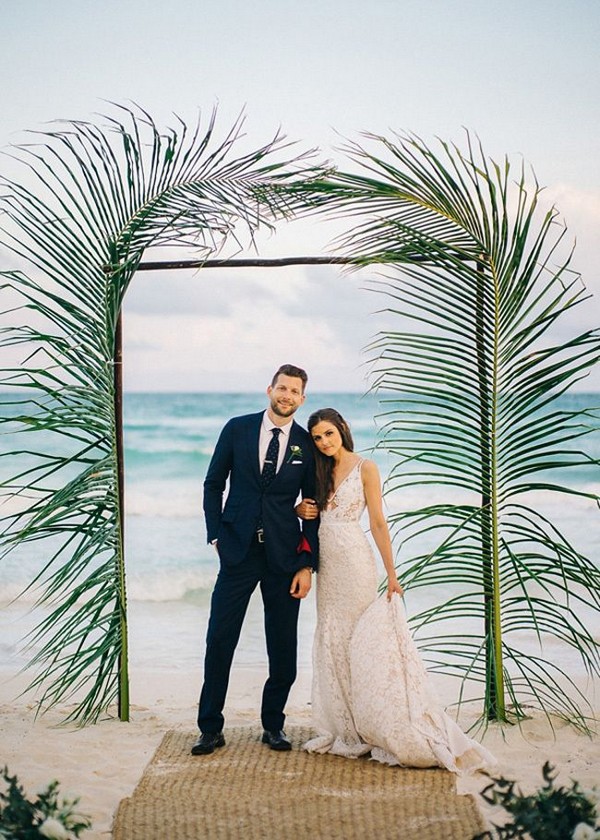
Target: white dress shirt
[[265, 438]]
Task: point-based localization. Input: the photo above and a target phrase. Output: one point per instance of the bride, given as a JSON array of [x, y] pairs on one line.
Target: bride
[[370, 691]]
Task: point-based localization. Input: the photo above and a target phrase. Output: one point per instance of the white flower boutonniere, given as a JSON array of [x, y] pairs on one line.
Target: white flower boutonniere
[[295, 454]]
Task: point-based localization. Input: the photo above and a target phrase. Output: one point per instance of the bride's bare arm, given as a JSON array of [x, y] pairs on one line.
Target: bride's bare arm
[[377, 522]]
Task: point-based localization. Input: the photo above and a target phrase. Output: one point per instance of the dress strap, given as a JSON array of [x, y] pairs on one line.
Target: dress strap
[[357, 468]]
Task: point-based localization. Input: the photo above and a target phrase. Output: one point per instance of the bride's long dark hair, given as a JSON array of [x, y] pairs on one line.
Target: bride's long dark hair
[[324, 464]]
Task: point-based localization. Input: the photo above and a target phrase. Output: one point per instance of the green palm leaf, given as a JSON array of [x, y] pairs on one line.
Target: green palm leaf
[[91, 200], [469, 382]]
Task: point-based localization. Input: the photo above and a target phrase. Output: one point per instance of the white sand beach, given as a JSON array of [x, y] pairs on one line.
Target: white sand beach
[[170, 577], [102, 763]]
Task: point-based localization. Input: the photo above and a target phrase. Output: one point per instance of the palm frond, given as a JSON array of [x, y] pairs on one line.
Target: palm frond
[[91, 200], [468, 383]]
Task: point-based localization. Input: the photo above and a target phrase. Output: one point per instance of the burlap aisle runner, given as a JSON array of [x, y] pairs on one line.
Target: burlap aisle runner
[[245, 790]]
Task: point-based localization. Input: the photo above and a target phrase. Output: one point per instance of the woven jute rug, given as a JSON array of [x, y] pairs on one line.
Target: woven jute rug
[[247, 791]]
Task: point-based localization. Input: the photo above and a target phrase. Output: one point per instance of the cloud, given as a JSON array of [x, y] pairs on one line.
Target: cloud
[[238, 352], [230, 328]]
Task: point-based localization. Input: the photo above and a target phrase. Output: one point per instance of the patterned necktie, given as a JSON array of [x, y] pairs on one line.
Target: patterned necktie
[[270, 465]]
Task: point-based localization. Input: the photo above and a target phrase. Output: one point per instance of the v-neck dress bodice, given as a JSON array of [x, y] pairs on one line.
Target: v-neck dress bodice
[[347, 504]]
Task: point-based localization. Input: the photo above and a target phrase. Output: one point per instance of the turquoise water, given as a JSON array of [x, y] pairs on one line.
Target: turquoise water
[[169, 439]]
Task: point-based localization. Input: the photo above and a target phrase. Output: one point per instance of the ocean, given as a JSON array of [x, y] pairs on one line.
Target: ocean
[[169, 439]]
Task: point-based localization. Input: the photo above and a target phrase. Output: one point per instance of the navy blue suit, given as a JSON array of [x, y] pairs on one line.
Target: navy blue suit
[[245, 563]]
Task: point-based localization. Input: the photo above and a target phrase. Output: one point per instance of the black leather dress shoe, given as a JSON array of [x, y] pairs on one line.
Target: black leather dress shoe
[[276, 740], [208, 742]]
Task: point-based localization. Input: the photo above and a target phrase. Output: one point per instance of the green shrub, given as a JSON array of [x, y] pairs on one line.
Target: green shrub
[[46, 816], [553, 813]]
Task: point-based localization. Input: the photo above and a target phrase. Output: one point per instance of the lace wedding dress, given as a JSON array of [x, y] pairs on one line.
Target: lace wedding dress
[[370, 689]]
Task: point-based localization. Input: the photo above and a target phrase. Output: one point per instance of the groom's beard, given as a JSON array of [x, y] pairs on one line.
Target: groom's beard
[[283, 410]]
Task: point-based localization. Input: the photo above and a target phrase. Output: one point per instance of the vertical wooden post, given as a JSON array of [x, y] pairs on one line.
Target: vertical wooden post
[[123, 694], [494, 677], [118, 392]]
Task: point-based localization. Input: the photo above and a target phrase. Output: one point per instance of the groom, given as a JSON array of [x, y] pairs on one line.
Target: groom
[[268, 459]]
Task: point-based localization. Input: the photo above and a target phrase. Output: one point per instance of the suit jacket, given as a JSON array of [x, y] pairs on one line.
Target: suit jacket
[[234, 524]]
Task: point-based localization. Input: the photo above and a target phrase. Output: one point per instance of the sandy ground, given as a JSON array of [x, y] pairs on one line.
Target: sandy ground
[[103, 763]]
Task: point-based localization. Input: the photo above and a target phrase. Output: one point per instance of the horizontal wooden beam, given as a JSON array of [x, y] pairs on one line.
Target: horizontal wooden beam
[[276, 262]]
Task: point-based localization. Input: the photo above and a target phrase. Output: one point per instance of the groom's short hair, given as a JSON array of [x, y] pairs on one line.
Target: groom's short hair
[[291, 370]]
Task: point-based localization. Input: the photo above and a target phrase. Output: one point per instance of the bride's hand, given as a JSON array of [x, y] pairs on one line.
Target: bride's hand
[[307, 509], [393, 586]]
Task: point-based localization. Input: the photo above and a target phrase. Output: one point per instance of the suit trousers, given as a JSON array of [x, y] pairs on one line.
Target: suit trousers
[[233, 588]]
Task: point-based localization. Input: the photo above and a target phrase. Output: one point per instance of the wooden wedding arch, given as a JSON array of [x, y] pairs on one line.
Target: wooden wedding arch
[[469, 267]]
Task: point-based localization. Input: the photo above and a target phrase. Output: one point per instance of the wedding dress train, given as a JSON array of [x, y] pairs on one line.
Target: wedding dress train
[[370, 690]]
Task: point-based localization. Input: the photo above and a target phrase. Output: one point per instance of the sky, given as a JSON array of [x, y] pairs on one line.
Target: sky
[[521, 74]]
